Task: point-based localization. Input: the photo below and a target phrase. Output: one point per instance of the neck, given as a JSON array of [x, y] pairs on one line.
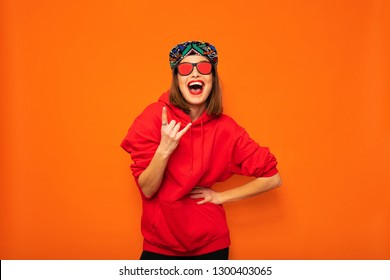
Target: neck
[[196, 112]]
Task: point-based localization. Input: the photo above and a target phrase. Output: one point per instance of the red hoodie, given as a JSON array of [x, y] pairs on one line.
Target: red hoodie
[[212, 150]]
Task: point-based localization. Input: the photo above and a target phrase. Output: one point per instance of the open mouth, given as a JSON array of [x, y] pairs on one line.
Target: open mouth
[[195, 87]]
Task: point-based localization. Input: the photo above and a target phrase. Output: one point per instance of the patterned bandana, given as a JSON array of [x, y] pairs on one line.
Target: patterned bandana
[[193, 47]]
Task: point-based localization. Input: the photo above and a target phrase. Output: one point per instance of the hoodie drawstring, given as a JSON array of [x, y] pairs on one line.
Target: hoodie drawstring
[[192, 152], [192, 146], [202, 129]]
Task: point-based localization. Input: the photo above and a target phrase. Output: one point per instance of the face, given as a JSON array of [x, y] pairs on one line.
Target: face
[[196, 87]]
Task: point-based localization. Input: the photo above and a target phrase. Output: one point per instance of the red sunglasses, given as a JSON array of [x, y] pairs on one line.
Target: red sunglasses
[[186, 68]]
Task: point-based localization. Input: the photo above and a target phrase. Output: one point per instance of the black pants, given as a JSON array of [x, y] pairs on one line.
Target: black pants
[[217, 255]]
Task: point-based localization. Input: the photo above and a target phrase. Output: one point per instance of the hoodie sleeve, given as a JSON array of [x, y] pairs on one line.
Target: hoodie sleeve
[[250, 159], [142, 139]]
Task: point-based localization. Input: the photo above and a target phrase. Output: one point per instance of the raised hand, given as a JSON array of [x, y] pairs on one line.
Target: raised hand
[[170, 134]]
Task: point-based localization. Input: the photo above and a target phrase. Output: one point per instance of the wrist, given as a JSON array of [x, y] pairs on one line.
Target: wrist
[[223, 197], [162, 154]]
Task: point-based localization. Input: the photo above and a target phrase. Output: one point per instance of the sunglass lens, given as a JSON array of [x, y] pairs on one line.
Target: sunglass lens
[[184, 68], [204, 68]]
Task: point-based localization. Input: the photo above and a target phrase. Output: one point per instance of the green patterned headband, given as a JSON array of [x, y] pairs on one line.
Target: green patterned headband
[[190, 48]]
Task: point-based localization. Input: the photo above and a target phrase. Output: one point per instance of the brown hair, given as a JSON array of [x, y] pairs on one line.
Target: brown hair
[[213, 102]]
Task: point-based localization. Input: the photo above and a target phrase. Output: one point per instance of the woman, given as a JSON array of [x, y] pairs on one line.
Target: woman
[[181, 146]]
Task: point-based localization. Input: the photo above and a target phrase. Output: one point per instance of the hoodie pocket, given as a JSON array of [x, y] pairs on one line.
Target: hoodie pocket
[[212, 220], [185, 226]]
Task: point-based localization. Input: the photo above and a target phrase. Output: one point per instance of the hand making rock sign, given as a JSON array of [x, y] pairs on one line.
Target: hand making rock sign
[[170, 134]]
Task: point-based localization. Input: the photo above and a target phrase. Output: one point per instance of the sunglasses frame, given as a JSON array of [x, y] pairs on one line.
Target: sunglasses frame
[[195, 65]]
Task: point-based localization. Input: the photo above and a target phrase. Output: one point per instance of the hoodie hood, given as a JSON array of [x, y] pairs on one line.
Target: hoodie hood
[[180, 115]]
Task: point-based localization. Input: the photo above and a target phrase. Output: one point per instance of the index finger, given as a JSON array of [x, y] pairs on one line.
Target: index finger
[[164, 118]]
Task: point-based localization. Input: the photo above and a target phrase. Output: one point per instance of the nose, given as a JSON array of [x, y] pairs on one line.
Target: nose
[[195, 72]]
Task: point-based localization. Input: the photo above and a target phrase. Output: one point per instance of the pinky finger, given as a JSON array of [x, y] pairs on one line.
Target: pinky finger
[[184, 130]]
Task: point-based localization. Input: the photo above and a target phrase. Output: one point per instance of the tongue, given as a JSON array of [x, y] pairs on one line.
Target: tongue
[[195, 90]]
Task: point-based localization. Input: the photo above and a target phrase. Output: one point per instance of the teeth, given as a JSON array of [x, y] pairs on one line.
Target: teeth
[[195, 84]]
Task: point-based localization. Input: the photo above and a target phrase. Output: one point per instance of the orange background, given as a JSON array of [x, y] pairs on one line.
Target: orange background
[[309, 79]]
